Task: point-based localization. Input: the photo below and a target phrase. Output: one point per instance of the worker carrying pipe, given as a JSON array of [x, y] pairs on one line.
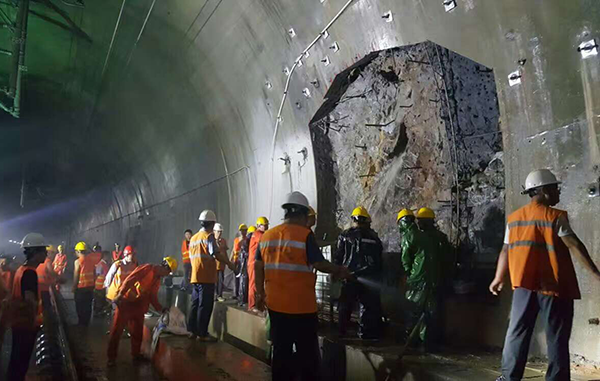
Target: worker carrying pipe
[[133, 299], [262, 225], [204, 252], [360, 249], [25, 307], [84, 278], [285, 280], [536, 253]]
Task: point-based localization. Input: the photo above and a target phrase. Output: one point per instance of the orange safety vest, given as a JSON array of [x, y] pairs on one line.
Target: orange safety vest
[[44, 279], [289, 279], [204, 265], [102, 266], [8, 279], [60, 263], [19, 319], [87, 270], [222, 245], [538, 260], [123, 271], [185, 251]]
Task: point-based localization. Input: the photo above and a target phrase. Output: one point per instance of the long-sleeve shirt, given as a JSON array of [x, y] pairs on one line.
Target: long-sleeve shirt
[[142, 286]]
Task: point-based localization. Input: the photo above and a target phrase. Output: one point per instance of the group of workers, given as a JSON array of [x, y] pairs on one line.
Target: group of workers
[[275, 272]]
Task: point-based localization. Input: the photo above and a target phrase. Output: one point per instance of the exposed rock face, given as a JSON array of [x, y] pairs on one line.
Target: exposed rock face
[[406, 128]]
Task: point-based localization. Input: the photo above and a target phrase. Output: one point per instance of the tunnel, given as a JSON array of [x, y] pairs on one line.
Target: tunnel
[[123, 120]]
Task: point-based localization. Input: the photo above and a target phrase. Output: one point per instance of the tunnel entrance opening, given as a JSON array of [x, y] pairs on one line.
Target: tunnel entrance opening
[[409, 127]]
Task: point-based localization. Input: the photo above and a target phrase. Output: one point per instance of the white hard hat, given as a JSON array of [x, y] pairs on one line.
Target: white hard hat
[[540, 178], [296, 198], [33, 240], [218, 227], [208, 216]]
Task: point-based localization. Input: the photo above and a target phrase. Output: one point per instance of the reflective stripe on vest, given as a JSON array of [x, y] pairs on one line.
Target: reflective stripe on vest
[[185, 251], [102, 276], [538, 260], [289, 279], [87, 271], [204, 265]]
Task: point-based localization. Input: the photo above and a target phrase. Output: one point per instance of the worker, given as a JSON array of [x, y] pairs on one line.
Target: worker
[[47, 277], [312, 217], [204, 252], [6, 273], [117, 253], [83, 282], [100, 303], [240, 244], [119, 271], [185, 258], [284, 262], [421, 260], [25, 306], [262, 225], [133, 299], [537, 252], [360, 249], [60, 262], [222, 243]]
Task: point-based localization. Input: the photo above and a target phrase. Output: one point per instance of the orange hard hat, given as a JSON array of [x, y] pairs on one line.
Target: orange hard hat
[[128, 250]]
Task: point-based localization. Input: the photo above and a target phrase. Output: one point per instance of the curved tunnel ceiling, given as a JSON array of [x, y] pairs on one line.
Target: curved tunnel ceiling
[[173, 106]]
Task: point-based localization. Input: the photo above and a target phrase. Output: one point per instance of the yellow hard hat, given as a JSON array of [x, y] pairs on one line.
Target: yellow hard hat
[[50, 248], [81, 246], [361, 212], [404, 213], [425, 213], [172, 262], [311, 212], [251, 229], [243, 227], [262, 221]]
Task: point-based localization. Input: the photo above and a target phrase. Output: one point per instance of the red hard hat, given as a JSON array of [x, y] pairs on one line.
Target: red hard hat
[[128, 250]]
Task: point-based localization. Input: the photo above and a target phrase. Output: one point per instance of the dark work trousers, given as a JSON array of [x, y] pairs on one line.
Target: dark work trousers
[[187, 275], [220, 282], [23, 341], [301, 330], [370, 309], [203, 300], [46, 303], [243, 279], [557, 314], [84, 298], [236, 281]]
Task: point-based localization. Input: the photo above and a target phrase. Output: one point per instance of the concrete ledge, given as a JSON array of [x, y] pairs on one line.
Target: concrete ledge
[[179, 358]]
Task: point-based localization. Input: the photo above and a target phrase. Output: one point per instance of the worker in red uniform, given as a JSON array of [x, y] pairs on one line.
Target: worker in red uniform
[[25, 307], [117, 253], [100, 304], [60, 262], [185, 258], [222, 243], [204, 252], [240, 246], [133, 300], [262, 225], [46, 277], [84, 277], [284, 275]]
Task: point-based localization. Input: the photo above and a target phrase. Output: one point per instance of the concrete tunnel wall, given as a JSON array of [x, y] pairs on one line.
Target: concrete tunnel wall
[[189, 114]]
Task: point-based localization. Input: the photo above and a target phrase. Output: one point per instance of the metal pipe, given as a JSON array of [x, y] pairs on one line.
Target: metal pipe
[[19, 39], [6, 52], [287, 86]]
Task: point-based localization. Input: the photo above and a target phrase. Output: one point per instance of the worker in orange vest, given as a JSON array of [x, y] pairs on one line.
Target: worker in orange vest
[[537, 252], [100, 304], [240, 246], [25, 307], [262, 225], [84, 278], [117, 253], [185, 258], [222, 243], [204, 252], [6, 272], [46, 277], [285, 260], [6, 278], [60, 263], [133, 299]]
